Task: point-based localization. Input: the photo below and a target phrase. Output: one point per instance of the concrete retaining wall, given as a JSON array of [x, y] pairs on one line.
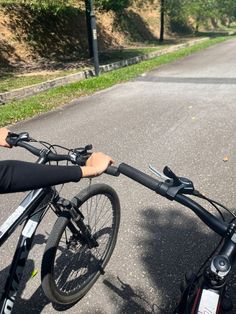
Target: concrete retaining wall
[[60, 81]]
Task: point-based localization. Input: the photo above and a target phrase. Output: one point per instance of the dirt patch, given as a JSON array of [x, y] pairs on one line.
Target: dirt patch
[[40, 72], [33, 40]]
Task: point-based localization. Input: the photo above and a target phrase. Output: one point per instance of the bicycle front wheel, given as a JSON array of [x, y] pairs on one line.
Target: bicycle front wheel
[[69, 266]]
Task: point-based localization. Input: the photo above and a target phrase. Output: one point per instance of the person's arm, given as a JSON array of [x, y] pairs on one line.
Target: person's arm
[[17, 176]]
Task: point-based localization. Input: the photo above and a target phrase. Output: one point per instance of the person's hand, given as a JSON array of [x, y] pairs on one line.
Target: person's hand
[[96, 164], [3, 135]]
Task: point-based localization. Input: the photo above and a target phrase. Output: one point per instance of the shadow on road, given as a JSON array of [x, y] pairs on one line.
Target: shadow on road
[[171, 243], [36, 303], [133, 298], [190, 80]]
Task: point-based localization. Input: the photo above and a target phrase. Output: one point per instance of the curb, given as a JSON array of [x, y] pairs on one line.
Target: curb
[[32, 90]]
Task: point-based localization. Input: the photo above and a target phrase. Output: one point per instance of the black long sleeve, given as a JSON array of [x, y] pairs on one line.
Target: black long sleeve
[[19, 176]]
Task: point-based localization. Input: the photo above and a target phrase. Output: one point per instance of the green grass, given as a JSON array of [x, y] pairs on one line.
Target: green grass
[[10, 81], [19, 110]]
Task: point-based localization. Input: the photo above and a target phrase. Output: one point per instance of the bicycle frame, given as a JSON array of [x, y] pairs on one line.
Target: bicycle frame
[[203, 299], [31, 210], [202, 304]]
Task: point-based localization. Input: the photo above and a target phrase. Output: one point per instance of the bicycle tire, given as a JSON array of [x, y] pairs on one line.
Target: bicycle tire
[[52, 285]]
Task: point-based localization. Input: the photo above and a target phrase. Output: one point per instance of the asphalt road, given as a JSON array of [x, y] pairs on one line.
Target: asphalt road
[[182, 115]]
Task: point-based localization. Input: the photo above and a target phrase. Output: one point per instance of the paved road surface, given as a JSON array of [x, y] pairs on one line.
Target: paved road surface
[[182, 115]]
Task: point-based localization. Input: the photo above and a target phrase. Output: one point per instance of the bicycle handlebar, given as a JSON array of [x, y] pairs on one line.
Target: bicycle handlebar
[[220, 227], [38, 152], [139, 176], [112, 171], [151, 183], [161, 188], [74, 156]]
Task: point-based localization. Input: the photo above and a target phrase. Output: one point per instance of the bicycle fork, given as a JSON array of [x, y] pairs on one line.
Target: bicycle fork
[[77, 218]]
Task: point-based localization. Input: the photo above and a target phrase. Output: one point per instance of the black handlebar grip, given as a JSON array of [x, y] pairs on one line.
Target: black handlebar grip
[[11, 138], [139, 176], [9, 141], [113, 171]]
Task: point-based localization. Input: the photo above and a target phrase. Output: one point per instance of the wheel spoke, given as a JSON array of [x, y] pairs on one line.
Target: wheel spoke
[[75, 265], [81, 257]]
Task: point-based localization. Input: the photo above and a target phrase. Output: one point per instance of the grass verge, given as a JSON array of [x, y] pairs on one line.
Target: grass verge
[[10, 80], [20, 110]]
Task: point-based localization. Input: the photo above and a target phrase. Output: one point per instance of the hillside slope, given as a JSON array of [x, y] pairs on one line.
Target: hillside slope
[[30, 36]]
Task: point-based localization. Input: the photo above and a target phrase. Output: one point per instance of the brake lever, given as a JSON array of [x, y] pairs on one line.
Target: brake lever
[[80, 155], [158, 174], [83, 150], [171, 175], [175, 184]]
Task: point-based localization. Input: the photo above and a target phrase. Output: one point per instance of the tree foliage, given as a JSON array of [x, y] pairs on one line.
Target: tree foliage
[[53, 6], [200, 12], [113, 5], [227, 10]]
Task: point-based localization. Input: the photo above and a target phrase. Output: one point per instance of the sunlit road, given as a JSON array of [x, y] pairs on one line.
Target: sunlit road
[[182, 115]]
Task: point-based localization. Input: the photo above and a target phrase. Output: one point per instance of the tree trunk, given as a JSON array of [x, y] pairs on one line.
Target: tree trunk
[[162, 20], [197, 25], [214, 22]]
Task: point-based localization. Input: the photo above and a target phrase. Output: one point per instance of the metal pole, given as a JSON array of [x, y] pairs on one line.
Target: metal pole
[[95, 41], [89, 30], [162, 20]]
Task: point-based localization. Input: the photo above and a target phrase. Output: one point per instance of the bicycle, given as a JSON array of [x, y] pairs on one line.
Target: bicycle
[[206, 291], [81, 241]]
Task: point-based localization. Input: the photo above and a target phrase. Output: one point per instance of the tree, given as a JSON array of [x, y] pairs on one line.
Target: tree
[[227, 10], [174, 10], [113, 5], [201, 11]]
